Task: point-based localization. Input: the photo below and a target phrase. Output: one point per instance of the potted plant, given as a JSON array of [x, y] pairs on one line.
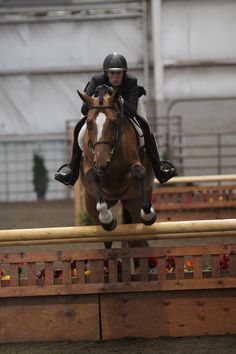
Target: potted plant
[[40, 177]]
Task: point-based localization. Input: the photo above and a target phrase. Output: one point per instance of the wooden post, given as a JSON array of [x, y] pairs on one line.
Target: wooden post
[[77, 192]]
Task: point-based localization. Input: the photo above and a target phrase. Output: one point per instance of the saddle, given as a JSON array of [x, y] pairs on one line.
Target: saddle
[[138, 131]]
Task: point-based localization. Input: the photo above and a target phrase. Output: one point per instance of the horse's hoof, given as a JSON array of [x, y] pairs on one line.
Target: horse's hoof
[[149, 222], [110, 226], [150, 218]]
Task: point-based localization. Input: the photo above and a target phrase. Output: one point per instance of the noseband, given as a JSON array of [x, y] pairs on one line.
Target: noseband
[[117, 135]]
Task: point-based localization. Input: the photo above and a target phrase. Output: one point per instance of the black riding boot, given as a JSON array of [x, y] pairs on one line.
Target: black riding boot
[[69, 173], [163, 170]]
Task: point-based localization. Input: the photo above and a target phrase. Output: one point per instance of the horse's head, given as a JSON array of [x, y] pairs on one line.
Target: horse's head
[[103, 125]]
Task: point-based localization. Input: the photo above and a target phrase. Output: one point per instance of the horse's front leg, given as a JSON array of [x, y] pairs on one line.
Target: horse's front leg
[[106, 218], [148, 214]]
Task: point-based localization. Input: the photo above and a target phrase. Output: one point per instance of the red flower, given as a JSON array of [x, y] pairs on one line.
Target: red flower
[[152, 262], [170, 263], [224, 261]]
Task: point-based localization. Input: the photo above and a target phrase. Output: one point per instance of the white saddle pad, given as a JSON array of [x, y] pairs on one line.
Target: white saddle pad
[[81, 136]]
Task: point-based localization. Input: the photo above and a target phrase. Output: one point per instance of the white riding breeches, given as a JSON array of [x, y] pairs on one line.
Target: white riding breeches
[[141, 109]]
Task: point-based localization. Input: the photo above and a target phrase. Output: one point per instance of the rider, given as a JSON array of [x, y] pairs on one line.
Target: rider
[[115, 75]]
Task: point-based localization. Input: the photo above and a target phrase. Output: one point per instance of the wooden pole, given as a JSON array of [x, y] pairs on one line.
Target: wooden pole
[[196, 179], [132, 230], [157, 237]]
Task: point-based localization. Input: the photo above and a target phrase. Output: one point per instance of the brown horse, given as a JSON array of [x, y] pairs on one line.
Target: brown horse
[[114, 168]]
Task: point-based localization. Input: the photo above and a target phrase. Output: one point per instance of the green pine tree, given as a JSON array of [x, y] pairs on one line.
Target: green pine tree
[[40, 176]]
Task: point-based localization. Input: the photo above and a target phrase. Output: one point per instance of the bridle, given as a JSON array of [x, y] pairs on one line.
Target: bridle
[[117, 132]]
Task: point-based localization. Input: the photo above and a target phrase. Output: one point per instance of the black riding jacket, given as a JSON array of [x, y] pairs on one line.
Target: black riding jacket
[[129, 90]]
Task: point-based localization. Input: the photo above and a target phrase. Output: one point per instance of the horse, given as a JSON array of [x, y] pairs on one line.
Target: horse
[[114, 168]]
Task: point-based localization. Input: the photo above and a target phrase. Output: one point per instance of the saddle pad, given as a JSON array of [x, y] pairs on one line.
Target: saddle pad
[[81, 136], [134, 123], [138, 131]]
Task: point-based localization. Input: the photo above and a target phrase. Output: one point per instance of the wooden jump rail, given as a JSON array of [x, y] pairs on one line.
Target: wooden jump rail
[[91, 294], [85, 234], [197, 197]]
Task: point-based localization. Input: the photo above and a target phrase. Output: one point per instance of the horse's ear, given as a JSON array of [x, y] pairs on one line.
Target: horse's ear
[[86, 98]]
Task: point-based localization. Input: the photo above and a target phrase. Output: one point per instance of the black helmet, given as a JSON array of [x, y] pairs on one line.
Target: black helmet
[[115, 62]]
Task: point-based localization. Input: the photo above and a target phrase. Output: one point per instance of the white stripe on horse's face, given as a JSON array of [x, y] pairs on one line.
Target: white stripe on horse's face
[[100, 120]]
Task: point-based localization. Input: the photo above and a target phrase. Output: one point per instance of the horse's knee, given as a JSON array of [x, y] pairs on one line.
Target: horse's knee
[[138, 171]]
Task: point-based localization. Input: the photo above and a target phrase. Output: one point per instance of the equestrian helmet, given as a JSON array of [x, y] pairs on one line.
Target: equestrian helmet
[[115, 62]]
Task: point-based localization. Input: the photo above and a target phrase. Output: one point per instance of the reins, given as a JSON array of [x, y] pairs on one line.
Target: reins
[[101, 107]]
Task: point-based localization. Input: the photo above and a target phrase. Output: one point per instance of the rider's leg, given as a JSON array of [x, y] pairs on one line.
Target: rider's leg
[[69, 173], [163, 171]]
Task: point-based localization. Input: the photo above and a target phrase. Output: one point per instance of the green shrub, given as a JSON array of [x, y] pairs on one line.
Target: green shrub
[[40, 176], [85, 219]]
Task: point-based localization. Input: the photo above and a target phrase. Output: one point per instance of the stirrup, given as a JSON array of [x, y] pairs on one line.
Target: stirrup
[[167, 165], [167, 171], [66, 178]]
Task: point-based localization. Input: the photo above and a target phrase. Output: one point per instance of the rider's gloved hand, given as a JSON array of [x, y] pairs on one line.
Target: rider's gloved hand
[[109, 89]]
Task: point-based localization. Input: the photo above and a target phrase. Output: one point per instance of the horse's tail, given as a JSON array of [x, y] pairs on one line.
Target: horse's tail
[[126, 217]]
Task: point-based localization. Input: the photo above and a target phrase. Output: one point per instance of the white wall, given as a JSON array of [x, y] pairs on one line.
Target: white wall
[[43, 64], [196, 60], [198, 48]]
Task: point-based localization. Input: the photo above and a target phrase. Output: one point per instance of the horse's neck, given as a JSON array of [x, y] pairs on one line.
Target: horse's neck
[[128, 139]]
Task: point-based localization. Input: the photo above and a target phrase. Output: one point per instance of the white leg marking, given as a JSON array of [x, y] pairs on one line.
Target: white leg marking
[[149, 216], [105, 215]]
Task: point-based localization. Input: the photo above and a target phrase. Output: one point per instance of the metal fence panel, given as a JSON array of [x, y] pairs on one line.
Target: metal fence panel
[[204, 154], [16, 160]]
